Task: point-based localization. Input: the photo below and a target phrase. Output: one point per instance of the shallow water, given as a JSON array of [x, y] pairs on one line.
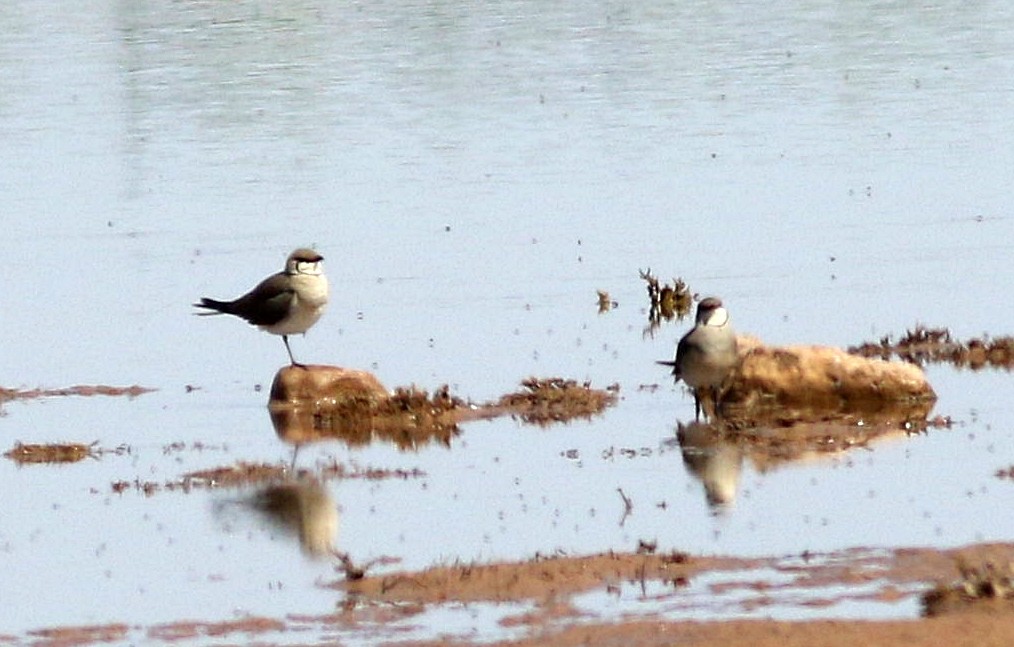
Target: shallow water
[[473, 174]]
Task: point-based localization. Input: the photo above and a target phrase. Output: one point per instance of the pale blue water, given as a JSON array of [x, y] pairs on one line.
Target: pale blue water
[[473, 174]]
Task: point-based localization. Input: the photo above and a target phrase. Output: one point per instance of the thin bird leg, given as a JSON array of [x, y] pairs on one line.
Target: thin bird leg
[[697, 406], [285, 338]]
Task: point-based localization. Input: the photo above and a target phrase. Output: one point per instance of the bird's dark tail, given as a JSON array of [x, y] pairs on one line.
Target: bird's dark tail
[[671, 364], [217, 307]]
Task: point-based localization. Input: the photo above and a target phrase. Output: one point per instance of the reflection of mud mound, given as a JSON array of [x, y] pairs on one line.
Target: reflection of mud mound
[[934, 345], [786, 385], [714, 453], [409, 418], [303, 508], [327, 402], [770, 447], [544, 402]]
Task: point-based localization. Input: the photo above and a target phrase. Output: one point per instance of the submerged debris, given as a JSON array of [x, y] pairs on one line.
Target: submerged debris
[[990, 583], [667, 303], [1007, 473], [545, 401], [924, 345]]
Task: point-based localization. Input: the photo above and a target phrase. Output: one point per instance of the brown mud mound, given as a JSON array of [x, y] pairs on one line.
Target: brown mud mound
[[792, 384], [924, 345], [321, 385], [327, 402]]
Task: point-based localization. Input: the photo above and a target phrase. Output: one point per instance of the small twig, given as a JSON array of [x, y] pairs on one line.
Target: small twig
[[628, 506]]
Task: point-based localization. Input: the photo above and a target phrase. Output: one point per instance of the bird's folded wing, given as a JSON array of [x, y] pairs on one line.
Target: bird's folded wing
[[268, 303]]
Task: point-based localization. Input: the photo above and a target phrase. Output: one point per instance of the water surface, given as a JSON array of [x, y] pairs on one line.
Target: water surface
[[473, 174]]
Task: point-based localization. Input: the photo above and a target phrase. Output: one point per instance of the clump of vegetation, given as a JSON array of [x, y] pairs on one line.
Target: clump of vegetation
[[545, 401], [924, 345], [666, 302], [606, 302]]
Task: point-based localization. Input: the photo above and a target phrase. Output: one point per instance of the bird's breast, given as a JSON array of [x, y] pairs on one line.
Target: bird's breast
[[308, 301]]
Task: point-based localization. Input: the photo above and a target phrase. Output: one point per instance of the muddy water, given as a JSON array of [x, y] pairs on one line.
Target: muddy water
[[473, 175]]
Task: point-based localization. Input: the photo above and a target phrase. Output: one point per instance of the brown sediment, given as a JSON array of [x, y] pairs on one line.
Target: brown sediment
[[353, 407], [978, 630], [666, 302], [82, 390], [923, 345], [51, 452], [540, 578], [792, 384], [385, 601], [80, 635], [184, 630], [555, 578]]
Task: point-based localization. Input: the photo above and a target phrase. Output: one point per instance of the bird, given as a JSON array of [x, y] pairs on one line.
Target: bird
[[706, 355], [286, 303]]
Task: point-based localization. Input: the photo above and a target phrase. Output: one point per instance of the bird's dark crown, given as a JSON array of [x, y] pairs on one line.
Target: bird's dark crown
[[709, 303], [305, 255]]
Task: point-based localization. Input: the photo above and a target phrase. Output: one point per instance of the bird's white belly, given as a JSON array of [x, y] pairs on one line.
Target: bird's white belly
[[308, 305], [704, 374]]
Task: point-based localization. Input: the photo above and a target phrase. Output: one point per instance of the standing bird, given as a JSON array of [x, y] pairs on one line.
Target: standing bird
[[707, 354], [286, 303]]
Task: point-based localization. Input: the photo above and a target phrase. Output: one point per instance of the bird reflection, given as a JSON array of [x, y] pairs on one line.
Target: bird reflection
[[303, 508], [712, 460]]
